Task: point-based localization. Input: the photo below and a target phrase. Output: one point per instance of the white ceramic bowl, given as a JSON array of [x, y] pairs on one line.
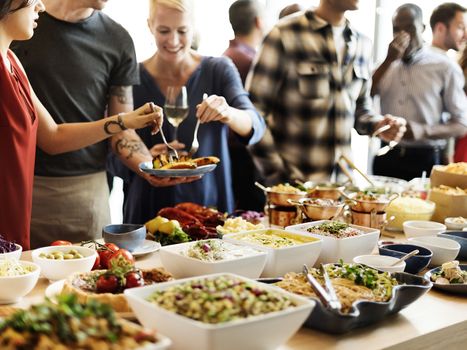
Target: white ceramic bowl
[[175, 260], [456, 223], [341, 248], [444, 249], [60, 269], [15, 255], [380, 262], [266, 331], [13, 288], [418, 228], [284, 259]]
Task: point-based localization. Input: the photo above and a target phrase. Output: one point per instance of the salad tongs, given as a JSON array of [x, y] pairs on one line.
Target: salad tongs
[[327, 295]]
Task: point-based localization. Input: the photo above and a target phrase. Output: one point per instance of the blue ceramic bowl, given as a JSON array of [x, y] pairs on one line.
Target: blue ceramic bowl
[[126, 236], [416, 263], [461, 238]]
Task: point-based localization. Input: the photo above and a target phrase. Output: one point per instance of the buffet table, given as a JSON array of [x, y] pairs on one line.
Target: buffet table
[[435, 321]]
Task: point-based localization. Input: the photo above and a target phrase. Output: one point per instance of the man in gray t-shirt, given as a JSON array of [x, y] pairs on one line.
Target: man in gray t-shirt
[[80, 63]]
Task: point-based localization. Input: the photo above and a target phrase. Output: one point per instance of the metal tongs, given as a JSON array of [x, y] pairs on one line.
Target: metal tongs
[[327, 295]]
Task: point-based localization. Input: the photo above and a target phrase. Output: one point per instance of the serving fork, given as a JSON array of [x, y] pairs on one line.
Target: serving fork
[[172, 152], [195, 144]]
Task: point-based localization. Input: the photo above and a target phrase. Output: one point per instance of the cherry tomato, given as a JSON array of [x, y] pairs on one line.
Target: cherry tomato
[[61, 243], [133, 279], [105, 256], [125, 254], [112, 246], [107, 283], [97, 263]]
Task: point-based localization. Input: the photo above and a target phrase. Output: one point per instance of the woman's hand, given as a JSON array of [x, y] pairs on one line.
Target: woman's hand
[[160, 148], [147, 115], [397, 129], [214, 108]]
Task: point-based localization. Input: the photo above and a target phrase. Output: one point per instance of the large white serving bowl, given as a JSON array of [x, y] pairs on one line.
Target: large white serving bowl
[[13, 288], [60, 269], [418, 228], [285, 259], [15, 254], [380, 262], [444, 249], [335, 249], [175, 260], [266, 331]]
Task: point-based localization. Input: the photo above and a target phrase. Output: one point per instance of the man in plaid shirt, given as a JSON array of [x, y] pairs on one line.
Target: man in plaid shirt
[[311, 81]]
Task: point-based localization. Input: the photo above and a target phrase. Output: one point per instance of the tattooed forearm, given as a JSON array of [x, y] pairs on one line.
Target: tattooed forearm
[[124, 94], [127, 147]]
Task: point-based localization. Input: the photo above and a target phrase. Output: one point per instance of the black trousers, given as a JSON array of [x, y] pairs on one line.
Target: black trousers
[[408, 162]]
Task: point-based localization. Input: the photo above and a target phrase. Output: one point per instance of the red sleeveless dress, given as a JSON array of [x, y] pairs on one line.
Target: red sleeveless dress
[[18, 133]]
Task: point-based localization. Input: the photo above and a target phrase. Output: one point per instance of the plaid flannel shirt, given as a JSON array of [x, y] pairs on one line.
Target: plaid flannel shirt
[[310, 101]]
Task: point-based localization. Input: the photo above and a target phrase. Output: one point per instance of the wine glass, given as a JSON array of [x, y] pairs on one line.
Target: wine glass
[[176, 106]]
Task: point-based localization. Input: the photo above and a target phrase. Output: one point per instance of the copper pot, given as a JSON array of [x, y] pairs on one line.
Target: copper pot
[[326, 191], [282, 216], [373, 219], [280, 198], [319, 208], [367, 206]]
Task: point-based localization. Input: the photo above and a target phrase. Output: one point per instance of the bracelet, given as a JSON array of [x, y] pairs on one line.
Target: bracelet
[[120, 121]]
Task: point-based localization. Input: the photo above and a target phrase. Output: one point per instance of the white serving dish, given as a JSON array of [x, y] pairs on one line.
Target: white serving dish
[[380, 262], [282, 260], [418, 228], [13, 288], [267, 331], [340, 248], [456, 223], [15, 255], [59, 269], [181, 265], [444, 249]]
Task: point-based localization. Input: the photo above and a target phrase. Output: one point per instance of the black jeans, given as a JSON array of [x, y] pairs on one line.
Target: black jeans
[[407, 162]]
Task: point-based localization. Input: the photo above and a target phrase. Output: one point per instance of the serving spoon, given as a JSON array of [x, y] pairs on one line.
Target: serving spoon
[[405, 257]]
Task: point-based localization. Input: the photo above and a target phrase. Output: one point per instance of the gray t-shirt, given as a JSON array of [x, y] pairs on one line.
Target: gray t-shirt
[[71, 67]]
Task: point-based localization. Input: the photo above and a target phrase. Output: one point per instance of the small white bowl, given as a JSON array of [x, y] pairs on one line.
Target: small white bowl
[[15, 255], [418, 228], [284, 259], [175, 260], [456, 223], [380, 262], [444, 249], [60, 269], [13, 288]]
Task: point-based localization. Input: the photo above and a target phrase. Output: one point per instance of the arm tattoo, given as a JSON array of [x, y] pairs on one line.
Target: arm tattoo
[[131, 147], [124, 94]]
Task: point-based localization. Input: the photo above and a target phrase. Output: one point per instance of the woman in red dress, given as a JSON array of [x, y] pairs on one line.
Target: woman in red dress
[[25, 123]]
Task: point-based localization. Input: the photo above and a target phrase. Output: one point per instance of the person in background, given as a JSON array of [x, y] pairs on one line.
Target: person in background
[[25, 122], [289, 9], [448, 25], [312, 82], [227, 106], [247, 24], [420, 84], [82, 65]]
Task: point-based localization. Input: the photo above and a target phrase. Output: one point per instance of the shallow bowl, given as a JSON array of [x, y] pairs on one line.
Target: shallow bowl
[[15, 254], [444, 249], [414, 264], [461, 238], [126, 236], [418, 228], [13, 288], [380, 262]]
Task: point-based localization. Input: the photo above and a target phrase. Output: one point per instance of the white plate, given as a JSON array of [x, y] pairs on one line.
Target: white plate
[[147, 247], [54, 289], [147, 167]]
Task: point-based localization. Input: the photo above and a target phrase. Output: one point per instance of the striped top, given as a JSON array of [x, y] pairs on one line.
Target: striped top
[[421, 91], [311, 102]]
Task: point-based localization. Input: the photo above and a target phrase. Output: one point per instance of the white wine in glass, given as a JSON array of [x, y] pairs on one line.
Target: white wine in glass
[[176, 106]]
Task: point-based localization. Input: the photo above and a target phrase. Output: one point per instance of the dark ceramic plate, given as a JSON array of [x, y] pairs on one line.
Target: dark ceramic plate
[[364, 313], [147, 167], [458, 288]]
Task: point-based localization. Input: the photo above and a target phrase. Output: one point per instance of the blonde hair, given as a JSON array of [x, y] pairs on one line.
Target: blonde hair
[[181, 5]]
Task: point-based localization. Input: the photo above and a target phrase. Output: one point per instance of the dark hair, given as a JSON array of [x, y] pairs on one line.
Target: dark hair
[[5, 7], [417, 11], [289, 9], [242, 16], [444, 13]]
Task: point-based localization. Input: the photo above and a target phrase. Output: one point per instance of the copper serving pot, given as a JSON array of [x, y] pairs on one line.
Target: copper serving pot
[[282, 216], [280, 198], [372, 219], [326, 190], [367, 206], [319, 208]]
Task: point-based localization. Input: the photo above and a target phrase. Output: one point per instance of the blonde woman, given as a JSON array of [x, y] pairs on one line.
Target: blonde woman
[[227, 106], [24, 122]]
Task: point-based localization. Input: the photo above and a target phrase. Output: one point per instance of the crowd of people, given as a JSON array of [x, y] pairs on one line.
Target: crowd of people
[[278, 106]]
